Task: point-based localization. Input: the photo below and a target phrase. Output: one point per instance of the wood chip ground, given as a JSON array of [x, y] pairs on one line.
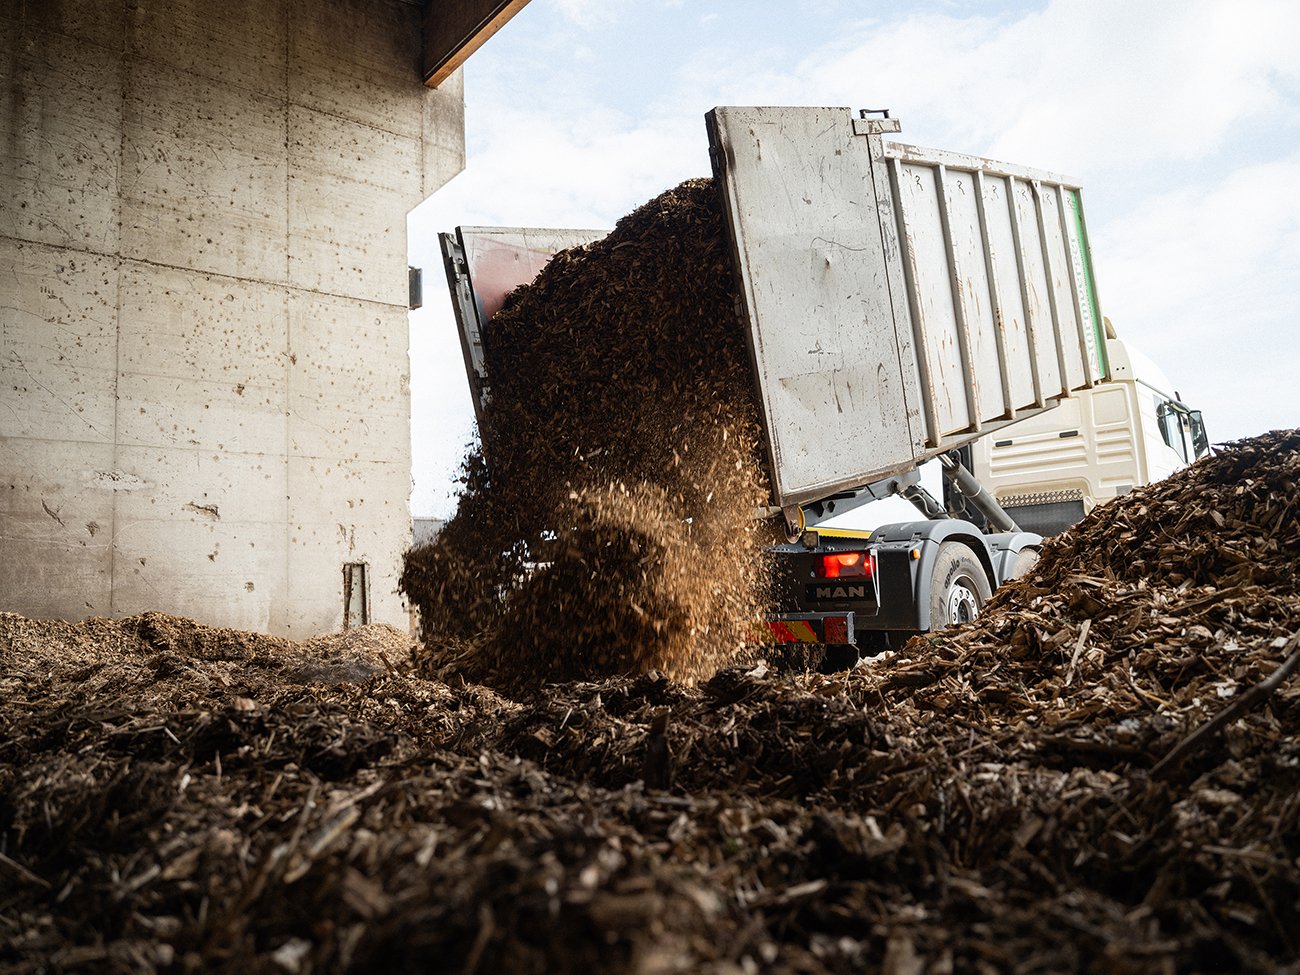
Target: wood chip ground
[[179, 798]]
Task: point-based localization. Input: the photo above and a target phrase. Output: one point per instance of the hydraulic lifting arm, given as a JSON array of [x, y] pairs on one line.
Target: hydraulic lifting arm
[[908, 485]]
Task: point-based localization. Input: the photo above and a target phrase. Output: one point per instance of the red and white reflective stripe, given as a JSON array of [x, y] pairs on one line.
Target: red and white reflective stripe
[[836, 629], [792, 631]]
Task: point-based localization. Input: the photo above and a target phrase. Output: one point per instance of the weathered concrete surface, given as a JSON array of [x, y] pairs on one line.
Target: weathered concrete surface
[[349, 244], [204, 403], [61, 109], [444, 116], [373, 494], [58, 347], [367, 80], [56, 514], [203, 177]]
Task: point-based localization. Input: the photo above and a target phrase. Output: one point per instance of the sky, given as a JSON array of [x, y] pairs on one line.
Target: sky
[[1181, 119]]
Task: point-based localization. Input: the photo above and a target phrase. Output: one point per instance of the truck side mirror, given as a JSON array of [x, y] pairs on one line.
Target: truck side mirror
[[1200, 439]]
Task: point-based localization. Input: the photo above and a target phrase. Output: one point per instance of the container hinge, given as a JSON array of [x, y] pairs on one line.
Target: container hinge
[[864, 124]]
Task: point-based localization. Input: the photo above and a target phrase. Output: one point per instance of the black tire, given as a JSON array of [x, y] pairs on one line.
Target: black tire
[[839, 656], [1026, 559], [959, 587]]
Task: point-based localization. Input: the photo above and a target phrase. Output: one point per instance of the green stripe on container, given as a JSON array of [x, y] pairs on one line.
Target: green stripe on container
[[1090, 284]]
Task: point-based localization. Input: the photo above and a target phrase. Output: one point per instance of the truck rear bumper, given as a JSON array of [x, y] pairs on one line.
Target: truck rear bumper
[[831, 628]]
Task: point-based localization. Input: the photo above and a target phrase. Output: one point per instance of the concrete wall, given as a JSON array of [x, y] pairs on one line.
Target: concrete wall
[[204, 404]]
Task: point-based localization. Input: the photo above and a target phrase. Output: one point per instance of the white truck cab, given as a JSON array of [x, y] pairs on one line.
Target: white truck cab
[[1050, 470]]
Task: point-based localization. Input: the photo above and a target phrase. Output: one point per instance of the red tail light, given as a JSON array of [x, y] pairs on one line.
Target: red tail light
[[846, 565]]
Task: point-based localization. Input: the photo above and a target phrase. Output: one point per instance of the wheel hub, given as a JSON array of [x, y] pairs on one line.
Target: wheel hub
[[963, 603]]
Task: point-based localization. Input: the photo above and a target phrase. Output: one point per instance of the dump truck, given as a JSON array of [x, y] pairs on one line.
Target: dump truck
[[900, 304]]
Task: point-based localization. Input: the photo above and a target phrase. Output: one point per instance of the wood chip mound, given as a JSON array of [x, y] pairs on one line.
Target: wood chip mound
[[1098, 775], [609, 529]]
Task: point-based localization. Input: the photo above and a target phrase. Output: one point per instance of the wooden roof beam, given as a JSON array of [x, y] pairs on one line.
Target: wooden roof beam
[[455, 29]]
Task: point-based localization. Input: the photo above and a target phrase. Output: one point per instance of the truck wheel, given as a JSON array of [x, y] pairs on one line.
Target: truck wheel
[[958, 588]]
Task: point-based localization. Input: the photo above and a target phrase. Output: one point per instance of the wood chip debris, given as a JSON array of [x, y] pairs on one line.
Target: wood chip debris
[[178, 798], [607, 527], [958, 808]]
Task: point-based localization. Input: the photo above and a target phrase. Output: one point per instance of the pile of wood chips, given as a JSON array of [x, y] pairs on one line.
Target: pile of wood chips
[[1101, 774], [609, 528]]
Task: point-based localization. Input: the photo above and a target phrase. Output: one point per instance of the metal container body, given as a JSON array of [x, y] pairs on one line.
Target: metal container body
[[484, 264], [900, 301]]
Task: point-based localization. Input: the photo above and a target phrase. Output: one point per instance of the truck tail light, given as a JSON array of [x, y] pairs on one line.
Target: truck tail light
[[847, 565]]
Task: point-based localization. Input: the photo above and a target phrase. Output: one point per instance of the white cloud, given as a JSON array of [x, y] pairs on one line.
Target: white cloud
[[1205, 279], [573, 171], [590, 14], [1083, 85], [1214, 243]]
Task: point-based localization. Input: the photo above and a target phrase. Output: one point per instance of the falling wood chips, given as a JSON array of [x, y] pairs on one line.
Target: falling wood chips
[[607, 527], [175, 798]]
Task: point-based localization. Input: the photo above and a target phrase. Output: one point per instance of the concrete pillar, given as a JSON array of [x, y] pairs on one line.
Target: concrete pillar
[[204, 398]]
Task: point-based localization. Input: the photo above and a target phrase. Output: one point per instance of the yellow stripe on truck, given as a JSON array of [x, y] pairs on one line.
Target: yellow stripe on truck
[[843, 532], [802, 631]]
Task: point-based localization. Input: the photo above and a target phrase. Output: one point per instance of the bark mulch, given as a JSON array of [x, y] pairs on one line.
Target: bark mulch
[[1101, 774]]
